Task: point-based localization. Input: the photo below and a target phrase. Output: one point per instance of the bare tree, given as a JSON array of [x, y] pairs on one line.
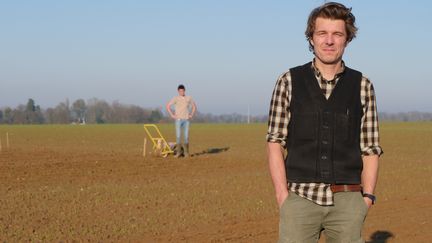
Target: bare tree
[[79, 109], [98, 111], [61, 113]]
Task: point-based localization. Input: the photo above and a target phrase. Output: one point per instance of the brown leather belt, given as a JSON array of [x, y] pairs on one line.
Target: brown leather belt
[[345, 188]]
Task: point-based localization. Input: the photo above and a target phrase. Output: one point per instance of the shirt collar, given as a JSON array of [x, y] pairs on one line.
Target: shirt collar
[[320, 77]]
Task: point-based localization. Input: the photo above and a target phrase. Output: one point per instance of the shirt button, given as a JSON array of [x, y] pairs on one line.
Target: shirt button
[[323, 157], [325, 142]]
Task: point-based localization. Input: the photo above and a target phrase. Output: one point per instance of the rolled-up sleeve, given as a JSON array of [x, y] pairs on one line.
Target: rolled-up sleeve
[[369, 136], [279, 114]]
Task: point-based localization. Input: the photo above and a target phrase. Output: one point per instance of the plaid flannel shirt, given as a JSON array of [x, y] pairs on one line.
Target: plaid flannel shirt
[[279, 118]]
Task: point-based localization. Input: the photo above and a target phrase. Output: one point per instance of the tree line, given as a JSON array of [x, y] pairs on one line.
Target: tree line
[[97, 111], [94, 111], [405, 116]]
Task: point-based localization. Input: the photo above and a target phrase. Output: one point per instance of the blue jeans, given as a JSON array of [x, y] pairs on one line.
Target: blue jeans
[[182, 124]]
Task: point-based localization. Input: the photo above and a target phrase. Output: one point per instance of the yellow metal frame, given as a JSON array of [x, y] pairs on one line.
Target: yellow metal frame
[[165, 148]]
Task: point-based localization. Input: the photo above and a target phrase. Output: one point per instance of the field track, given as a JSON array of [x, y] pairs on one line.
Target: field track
[[91, 183]]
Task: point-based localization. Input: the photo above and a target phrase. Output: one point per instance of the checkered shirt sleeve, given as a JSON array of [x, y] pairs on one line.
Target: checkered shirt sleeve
[[369, 136], [279, 113]]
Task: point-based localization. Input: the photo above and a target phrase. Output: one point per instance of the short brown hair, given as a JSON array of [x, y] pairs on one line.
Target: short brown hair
[[332, 10]]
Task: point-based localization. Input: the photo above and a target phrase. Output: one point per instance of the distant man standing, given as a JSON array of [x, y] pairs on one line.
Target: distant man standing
[[324, 115], [184, 110]]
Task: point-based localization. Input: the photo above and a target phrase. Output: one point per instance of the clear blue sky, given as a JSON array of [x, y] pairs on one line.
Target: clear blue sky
[[227, 53]]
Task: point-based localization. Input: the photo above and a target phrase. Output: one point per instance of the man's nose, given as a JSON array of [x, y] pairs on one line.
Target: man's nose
[[329, 40]]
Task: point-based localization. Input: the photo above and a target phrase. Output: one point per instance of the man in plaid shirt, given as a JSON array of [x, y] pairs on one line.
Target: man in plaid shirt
[[324, 115]]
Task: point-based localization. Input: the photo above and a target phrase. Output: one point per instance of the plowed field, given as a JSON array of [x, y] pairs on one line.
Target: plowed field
[[92, 183]]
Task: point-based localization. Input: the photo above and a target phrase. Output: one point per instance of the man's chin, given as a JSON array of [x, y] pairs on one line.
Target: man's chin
[[330, 61]]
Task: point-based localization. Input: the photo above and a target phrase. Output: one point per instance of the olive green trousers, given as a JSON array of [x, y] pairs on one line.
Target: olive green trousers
[[301, 221]]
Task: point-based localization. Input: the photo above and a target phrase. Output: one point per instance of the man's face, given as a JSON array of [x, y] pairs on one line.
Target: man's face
[[181, 92], [329, 40]]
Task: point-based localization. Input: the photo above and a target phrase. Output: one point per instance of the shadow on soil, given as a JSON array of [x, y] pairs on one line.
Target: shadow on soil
[[380, 237], [211, 151]]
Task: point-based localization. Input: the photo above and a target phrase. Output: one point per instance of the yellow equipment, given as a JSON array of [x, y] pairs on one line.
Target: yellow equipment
[[160, 145]]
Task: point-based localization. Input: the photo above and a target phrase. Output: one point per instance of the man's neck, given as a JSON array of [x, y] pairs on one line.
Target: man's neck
[[328, 71]]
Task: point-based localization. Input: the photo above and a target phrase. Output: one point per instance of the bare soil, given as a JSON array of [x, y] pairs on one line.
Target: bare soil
[[91, 183]]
